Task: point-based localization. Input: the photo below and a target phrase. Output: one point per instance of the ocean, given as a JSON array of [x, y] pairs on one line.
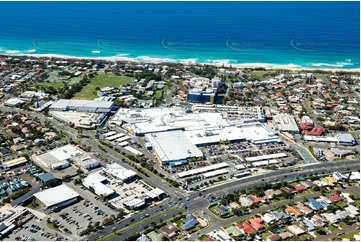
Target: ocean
[[266, 34]]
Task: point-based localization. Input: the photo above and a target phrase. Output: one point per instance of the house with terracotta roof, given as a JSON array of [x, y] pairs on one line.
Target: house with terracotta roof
[[293, 211], [335, 198], [300, 188], [254, 199], [256, 223], [246, 228]]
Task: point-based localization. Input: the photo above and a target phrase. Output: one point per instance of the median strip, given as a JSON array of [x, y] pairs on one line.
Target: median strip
[[111, 235]]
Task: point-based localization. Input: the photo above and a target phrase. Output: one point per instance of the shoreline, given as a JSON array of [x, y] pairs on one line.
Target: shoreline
[[125, 59]]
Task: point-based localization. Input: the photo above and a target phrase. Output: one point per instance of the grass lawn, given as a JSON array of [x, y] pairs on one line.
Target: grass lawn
[[57, 85], [343, 225], [261, 74], [350, 234], [102, 80], [233, 230], [265, 235], [35, 204], [158, 93], [332, 227]]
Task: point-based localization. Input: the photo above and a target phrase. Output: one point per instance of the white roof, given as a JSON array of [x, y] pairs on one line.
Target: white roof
[[265, 162], [202, 169], [119, 171], [56, 195], [266, 157], [116, 136], [132, 150], [124, 143], [215, 173], [94, 181], [109, 133], [173, 146], [319, 138], [64, 103], [123, 138], [286, 122], [155, 193], [136, 202]]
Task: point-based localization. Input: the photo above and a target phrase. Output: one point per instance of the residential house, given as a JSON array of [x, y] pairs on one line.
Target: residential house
[[293, 211], [269, 218], [318, 220], [352, 210], [296, 230], [312, 203], [335, 198], [246, 228], [143, 238], [169, 230], [300, 188], [189, 222], [348, 199], [307, 184], [256, 223], [274, 237], [280, 215], [270, 193], [342, 214], [245, 202], [324, 201], [154, 236], [221, 211], [254, 199], [331, 218], [308, 224], [330, 180], [219, 235], [288, 190], [285, 235], [304, 209]]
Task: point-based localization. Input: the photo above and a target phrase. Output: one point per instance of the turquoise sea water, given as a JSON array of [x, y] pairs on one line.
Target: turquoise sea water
[[281, 34]]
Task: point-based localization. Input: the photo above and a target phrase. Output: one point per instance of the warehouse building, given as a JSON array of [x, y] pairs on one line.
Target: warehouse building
[[57, 197], [119, 172], [93, 106], [173, 146], [58, 158], [97, 184]]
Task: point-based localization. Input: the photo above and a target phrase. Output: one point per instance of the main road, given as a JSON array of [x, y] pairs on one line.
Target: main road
[[197, 203]]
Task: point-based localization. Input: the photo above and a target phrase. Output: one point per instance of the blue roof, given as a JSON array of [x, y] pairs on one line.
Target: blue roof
[[280, 215], [189, 222], [46, 177], [315, 205], [309, 225]]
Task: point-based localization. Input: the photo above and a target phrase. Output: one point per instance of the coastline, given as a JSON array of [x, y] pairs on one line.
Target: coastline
[[151, 60]]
